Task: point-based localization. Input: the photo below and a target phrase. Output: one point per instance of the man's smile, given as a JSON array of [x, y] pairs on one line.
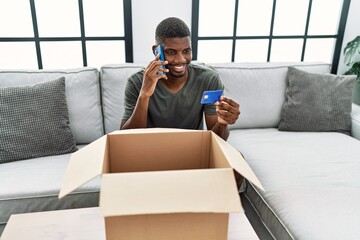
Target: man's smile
[[177, 70], [179, 67]]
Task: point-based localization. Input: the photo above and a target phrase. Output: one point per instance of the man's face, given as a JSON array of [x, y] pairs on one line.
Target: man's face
[[178, 53]]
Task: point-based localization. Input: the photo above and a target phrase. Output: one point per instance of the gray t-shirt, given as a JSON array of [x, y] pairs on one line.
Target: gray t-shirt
[[175, 110]]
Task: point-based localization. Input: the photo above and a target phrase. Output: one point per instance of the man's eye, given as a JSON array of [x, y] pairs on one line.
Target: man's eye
[[187, 51], [170, 52]]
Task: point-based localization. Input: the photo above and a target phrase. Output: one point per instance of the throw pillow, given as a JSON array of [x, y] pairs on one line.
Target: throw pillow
[[34, 121], [317, 102]]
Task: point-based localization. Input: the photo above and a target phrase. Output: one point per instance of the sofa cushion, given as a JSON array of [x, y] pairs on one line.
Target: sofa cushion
[[113, 81], [82, 93], [259, 88], [34, 121], [317, 102], [24, 189], [311, 182]]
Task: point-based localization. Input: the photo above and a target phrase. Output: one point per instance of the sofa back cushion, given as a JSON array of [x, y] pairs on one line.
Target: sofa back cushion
[[317, 102], [113, 81], [82, 95], [34, 121], [259, 88]]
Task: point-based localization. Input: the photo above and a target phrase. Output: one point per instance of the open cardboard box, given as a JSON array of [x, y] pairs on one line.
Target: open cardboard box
[[162, 183]]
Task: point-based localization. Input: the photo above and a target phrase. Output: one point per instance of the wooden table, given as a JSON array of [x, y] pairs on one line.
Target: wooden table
[[88, 224]]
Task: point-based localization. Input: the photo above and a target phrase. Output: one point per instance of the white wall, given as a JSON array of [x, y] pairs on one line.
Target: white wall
[[351, 31], [146, 16]]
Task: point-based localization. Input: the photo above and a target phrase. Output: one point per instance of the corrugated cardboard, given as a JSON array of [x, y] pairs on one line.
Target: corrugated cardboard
[[162, 183]]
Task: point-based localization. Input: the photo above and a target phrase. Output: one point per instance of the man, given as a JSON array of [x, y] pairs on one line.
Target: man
[[172, 98]]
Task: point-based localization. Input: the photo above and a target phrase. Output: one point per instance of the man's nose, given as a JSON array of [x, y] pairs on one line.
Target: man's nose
[[179, 58]]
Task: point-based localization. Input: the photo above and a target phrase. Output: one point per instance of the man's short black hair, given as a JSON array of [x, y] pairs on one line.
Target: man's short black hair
[[171, 27]]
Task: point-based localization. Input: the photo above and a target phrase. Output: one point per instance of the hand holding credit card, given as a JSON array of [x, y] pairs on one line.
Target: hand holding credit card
[[210, 97]]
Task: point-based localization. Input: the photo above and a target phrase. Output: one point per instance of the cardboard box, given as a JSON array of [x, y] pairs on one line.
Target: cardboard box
[[162, 183]]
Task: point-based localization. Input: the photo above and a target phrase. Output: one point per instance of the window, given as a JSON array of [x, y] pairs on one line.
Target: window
[[268, 30], [63, 34]]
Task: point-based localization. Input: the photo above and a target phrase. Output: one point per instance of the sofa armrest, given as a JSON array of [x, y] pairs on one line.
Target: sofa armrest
[[355, 121]]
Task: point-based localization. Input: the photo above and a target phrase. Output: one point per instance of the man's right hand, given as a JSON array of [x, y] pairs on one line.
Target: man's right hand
[[151, 76], [138, 118]]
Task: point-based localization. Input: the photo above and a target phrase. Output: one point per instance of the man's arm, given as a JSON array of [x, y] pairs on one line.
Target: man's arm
[[220, 129], [228, 112], [138, 118]]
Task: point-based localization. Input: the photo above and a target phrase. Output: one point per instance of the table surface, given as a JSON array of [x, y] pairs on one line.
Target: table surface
[[88, 224]]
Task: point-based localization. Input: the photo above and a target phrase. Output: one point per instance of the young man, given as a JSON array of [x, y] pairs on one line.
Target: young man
[[172, 99]]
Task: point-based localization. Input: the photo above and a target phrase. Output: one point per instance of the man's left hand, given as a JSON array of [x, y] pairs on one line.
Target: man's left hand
[[228, 110]]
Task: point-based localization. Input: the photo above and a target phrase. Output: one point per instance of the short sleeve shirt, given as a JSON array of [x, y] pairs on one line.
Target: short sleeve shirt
[[175, 110]]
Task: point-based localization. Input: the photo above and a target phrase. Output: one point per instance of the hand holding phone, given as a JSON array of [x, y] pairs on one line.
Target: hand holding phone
[[210, 97], [160, 50]]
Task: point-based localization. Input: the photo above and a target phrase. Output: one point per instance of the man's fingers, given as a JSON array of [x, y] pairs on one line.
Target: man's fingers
[[234, 109], [229, 101], [227, 115], [155, 66], [228, 110]]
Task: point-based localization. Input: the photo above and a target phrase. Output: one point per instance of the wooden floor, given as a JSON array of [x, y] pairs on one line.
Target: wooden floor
[[88, 224]]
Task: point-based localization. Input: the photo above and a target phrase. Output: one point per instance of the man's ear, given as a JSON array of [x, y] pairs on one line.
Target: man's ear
[[153, 48]]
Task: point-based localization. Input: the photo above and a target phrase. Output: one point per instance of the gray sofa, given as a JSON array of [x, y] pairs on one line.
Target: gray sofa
[[310, 178]]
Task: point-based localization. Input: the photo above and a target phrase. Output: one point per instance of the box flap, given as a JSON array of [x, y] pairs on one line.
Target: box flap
[[84, 165], [237, 162], [159, 151], [210, 190], [153, 130]]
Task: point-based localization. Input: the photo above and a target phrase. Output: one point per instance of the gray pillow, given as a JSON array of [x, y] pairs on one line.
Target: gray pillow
[[34, 121], [317, 102]]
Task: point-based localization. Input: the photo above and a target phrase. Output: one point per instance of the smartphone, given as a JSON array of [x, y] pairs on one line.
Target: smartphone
[[210, 97], [160, 50]]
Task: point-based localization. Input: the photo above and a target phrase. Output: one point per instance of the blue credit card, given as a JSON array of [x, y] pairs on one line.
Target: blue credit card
[[211, 96]]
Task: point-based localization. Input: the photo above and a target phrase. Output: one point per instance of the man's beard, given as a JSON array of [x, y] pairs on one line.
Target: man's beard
[[179, 75]]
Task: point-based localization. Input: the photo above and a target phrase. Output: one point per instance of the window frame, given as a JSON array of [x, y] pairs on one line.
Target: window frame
[[338, 37], [127, 38]]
